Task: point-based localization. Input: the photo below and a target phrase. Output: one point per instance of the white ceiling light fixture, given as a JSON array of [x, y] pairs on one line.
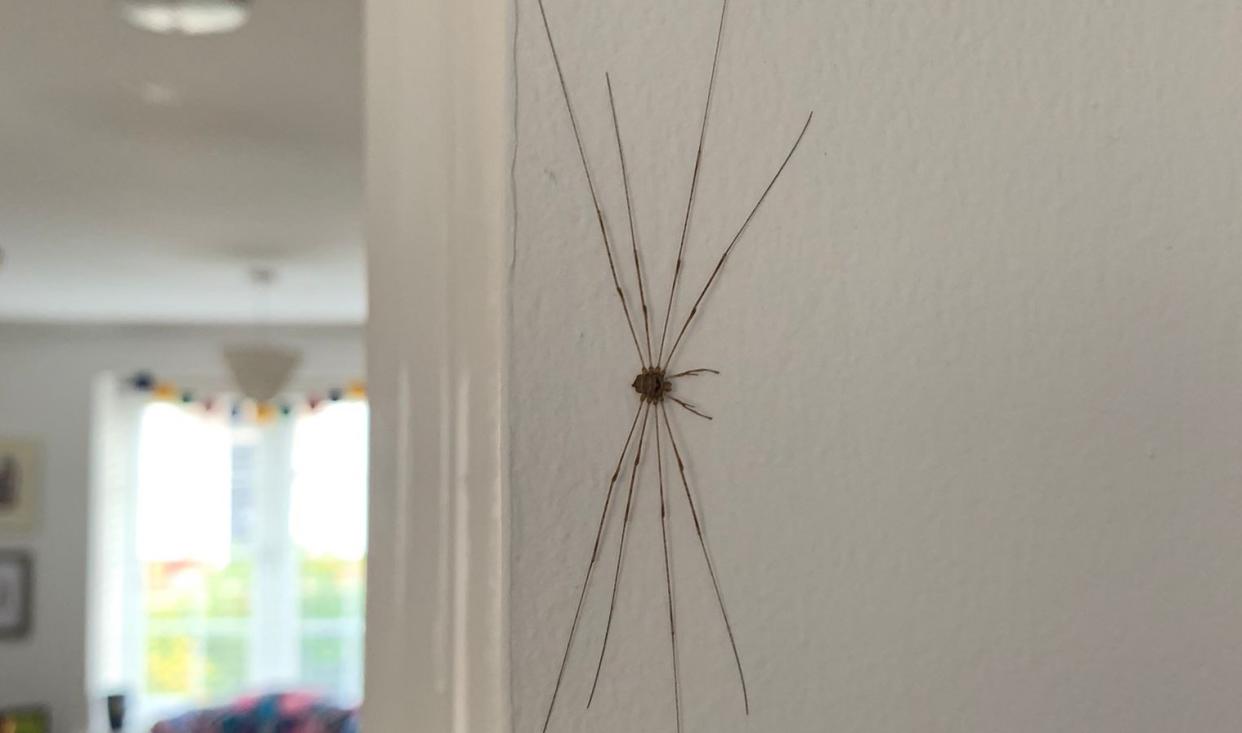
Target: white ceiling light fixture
[[186, 17], [261, 369]]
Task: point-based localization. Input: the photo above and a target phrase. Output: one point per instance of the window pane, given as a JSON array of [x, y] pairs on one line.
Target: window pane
[[184, 487], [331, 626], [171, 665], [198, 629], [228, 664], [329, 503], [173, 589], [323, 661], [245, 514], [228, 589], [331, 589], [328, 526]]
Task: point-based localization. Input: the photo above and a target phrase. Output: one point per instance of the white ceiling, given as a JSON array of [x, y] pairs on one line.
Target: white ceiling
[[142, 176]]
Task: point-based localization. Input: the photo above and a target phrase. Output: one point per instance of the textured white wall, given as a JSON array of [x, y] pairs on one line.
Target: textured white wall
[[975, 465], [46, 376]]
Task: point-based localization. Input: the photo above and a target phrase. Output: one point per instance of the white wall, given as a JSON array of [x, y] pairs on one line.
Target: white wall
[[46, 374], [975, 460]]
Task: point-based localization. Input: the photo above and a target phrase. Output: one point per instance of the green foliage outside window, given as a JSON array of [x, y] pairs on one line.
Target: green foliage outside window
[[197, 642]]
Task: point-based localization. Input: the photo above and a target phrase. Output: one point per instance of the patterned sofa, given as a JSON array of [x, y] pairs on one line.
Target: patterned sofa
[[280, 713]]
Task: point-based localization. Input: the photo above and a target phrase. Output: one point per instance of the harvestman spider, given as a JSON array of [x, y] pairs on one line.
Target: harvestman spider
[[654, 383]]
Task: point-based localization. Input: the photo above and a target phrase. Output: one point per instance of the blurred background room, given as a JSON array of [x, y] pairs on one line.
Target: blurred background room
[[183, 444]]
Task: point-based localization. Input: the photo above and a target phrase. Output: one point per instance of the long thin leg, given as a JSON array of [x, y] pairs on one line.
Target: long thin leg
[[737, 237], [616, 581], [586, 168], [694, 178], [711, 568], [629, 210], [668, 574], [692, 373], [599, 535], [691, 408]]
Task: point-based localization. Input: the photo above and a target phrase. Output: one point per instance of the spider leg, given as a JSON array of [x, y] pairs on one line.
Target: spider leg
[[694, 178], [690, 407], [711, 568], [629, 210], [586, 169], [625, 528], [724, 256], [692, 373], [599, 534], [668, 573]]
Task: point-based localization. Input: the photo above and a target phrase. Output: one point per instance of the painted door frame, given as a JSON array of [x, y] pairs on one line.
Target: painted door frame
[[439, 108]]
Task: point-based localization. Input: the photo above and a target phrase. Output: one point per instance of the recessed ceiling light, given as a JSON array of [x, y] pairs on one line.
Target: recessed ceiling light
[[186, 17]]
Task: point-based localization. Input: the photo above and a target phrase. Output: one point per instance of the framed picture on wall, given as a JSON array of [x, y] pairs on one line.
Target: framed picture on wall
[[16, 594], [19, 483]]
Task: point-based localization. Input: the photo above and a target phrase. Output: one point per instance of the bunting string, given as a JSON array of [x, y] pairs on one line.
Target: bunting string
[[241, 409]]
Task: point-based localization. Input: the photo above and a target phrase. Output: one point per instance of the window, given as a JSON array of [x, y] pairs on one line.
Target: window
[[243, 569]]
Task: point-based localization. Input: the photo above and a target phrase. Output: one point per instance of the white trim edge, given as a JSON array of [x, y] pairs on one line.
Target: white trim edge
[[439, 137]]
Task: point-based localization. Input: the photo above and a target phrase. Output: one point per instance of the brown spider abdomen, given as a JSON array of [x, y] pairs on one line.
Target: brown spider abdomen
[[651, 385]]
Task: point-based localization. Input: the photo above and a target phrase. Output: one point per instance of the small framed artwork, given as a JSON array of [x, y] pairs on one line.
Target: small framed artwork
[[16, 594], [19, 483]]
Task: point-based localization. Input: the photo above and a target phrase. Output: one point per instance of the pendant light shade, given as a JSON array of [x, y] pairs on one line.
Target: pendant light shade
[[261, 372], [186, 17]]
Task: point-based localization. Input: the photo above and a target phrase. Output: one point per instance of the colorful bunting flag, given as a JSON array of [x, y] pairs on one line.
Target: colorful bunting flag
[[243, 410]]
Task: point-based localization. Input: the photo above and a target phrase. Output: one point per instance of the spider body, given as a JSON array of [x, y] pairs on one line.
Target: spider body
[[651, 385]]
